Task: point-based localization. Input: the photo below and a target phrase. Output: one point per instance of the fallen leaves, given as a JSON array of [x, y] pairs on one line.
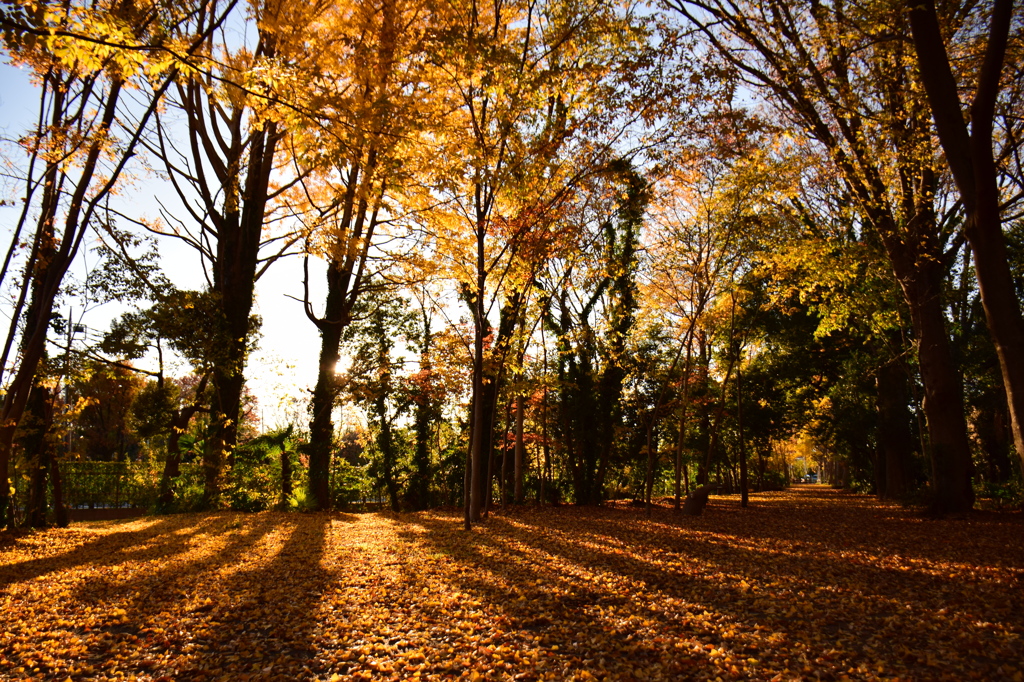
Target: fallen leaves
[[809, 584]]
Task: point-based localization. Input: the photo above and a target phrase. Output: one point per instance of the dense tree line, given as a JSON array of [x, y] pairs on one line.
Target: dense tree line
[[574, 250]]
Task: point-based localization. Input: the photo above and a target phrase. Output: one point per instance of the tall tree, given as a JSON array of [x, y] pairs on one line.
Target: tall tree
[[534, 89], [694, 256], [378, 102], [971, 157], [186, 322], [379, 323], [842, 74], [230, 180], [80, 147]]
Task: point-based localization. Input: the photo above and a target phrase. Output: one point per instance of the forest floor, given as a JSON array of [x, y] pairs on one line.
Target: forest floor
[[808, 584]]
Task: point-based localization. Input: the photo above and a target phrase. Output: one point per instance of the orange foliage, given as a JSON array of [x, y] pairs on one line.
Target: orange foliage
[[806, 584]]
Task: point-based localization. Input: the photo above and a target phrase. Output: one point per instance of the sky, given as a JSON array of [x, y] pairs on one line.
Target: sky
[[283, 369]]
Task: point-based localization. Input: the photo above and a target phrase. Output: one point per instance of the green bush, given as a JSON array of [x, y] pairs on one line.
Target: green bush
[[188, 488], [110, 484], [255, 479], [350, 484], [1007, 495]]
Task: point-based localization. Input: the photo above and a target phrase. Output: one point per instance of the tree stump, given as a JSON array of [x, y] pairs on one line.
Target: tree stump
[[695, 502]]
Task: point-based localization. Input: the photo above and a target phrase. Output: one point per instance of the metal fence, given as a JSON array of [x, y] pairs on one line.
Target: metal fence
[[114, 485]]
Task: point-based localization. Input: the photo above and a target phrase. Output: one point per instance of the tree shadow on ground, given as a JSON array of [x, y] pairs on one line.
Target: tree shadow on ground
[[101, 548], [578, 578], [222, 594]]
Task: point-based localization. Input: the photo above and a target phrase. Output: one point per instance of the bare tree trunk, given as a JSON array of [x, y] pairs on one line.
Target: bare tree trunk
[[544, 425], [477, 456], [652, 457], [35, 427], [520, 472], [506, 451], [895, 440], [744, 494], [467, 474], [681, 440], [59, 509], [970, 156], [321, 407], [286, 476], [716, 427]]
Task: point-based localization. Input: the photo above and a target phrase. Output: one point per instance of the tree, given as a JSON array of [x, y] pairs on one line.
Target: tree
[[80, 147], [858, 102], [535, 89], [426, 395], [694, 258], [971, 159], [380, 103], [166, 408], [186, 321], [104, 423], [824, 270], [380, 321], [230, 182], [593, 311]]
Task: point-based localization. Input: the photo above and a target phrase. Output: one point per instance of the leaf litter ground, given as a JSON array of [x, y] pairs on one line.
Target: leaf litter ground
[[807, 584]]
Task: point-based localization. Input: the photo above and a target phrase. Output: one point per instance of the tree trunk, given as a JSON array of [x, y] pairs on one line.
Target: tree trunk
[[60, 510], [325, 393], [226, 410], [652, 459], [172, 469], [943, 402], [717, 426], [52, 255], [546, 471], [467, 477], [286, 476], [179, 423], [484, 439], [419, 486], [895, 439], [520, 471], [386, 443], [238, 241], [990, 425], [489, 480], [35, 428], [744, 493], [970, 156], [681, 440], [478, 448]]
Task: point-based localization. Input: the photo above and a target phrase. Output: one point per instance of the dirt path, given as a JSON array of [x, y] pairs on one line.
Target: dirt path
[[807, 584]]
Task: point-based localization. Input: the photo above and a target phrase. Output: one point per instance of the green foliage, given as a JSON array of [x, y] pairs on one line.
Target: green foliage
[[188, 489], [451, 465], [351, 485], [1009, 495], [110, 484], [774, 480], [152, 408], [300, 500], [255, 478], [122, 275], [189, 321]]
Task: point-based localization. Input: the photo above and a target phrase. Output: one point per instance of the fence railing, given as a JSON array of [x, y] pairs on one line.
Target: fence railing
[[113, 485], [250, 486]]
